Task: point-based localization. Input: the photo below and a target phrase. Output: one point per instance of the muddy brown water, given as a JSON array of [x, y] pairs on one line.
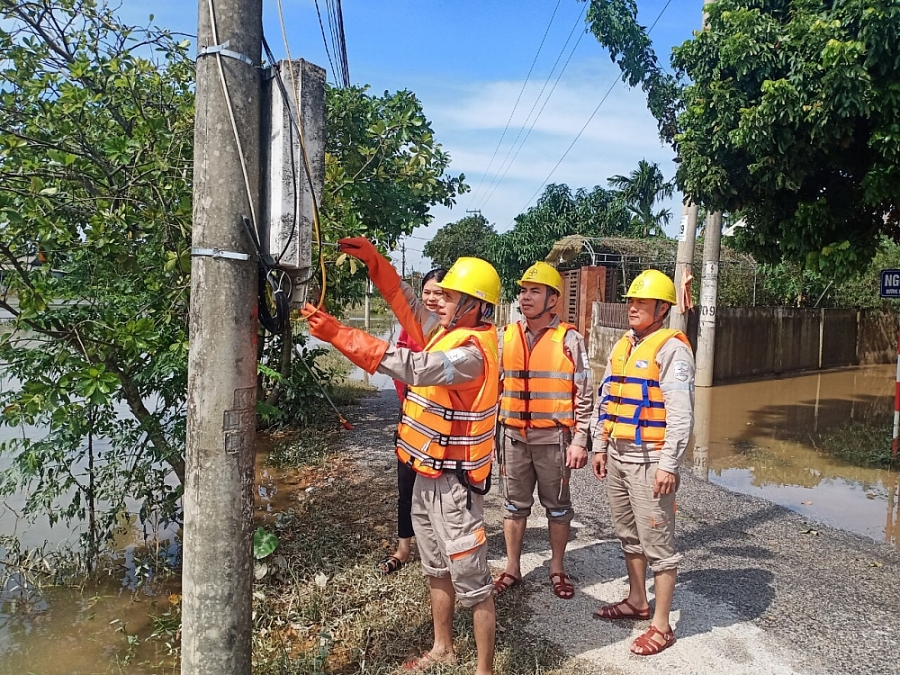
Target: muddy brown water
[[764, 439], [105, 628], [759, 438]]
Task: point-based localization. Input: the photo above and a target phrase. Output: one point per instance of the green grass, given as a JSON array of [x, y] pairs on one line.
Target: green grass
[[324, 608], [865, 443]]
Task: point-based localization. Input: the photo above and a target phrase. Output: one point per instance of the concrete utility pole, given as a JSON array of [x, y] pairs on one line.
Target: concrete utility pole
[[221, 404], [403, 264], [684, 261], [709, 289], [702, 431]]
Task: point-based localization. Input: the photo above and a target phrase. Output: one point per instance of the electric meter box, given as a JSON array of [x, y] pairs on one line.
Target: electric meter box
[[286, 223]]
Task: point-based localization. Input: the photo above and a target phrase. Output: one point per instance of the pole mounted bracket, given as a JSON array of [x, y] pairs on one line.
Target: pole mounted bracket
[[224, 51], [219, 254]]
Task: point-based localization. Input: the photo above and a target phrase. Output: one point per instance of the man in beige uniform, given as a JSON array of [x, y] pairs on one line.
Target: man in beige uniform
[[545, 413], [447, 515], [644, 421]]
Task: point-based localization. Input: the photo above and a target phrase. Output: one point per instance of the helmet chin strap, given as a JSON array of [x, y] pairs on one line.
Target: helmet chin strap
[[656, 325], [547, 307], [462, 310]]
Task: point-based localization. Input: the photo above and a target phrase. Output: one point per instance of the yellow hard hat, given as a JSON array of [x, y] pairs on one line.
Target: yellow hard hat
[[653, 285], [475, 277], [542, 273]]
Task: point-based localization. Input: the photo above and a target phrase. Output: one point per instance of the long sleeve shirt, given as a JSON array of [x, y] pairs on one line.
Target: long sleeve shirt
[[582, 389], [676, 380], [458, 368]]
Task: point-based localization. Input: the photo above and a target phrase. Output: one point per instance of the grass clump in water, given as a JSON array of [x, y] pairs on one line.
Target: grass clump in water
[[865, 443]]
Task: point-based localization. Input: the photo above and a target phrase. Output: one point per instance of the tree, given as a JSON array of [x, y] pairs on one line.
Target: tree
[[640, 190], [95, 217], [558, 213], [790, 119], [96, 143], [383, 173], [614, 24], [470, 236]]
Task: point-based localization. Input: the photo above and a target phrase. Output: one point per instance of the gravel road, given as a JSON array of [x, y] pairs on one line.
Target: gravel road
[[762, 590]]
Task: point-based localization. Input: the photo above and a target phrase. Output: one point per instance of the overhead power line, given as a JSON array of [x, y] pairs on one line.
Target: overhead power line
[[496, 182], [593, 114], [515, 105], [325, 41], [337, 43]]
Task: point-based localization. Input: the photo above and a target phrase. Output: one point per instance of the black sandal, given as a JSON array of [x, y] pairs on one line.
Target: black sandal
[[390, 565]]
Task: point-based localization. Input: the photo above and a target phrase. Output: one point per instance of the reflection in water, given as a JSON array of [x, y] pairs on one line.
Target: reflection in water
[[892, 526], [761, 438], [384, 327], [702, 417]]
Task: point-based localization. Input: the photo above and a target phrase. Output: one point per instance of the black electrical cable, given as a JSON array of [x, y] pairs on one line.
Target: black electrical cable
[[272, 300]]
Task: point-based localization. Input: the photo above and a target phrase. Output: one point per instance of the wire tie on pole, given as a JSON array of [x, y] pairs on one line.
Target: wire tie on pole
[[219, 253], [224, 51]]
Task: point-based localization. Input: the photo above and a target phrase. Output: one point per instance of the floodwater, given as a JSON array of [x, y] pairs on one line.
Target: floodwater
[[108, 627], [765, 439]]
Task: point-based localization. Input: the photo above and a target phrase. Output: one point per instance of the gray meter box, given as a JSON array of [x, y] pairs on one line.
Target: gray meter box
[[286, 224]]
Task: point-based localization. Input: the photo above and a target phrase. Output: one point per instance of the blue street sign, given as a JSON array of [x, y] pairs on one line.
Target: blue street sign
[[890, 283]]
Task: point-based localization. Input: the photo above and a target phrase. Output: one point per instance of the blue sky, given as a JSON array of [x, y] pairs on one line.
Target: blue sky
[[467, 61]]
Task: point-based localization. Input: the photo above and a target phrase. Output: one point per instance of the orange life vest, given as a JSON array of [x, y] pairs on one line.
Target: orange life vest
[[443, 429], [635, 409], [537, 382]]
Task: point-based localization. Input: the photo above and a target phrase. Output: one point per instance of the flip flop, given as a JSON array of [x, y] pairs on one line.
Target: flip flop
[[390, 565], [645, 645], [501, 586], [426, 661], [562, 586], [614, 612]]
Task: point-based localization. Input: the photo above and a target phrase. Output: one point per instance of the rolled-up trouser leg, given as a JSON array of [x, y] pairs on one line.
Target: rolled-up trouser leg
[[451, 538], [519, 478], [553, 482], [651, 520]]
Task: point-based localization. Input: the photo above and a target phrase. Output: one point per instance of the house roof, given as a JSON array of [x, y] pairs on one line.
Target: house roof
[[654, 251]]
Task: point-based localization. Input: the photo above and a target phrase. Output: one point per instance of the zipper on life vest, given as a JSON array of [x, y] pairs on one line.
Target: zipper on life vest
[[631, 350], [526, 379]]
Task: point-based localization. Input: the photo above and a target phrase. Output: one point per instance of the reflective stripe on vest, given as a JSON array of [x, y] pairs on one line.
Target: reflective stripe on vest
[[635, 408], [537, 382], [453, 430]]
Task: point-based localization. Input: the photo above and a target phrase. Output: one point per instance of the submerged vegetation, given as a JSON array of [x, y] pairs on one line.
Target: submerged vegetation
[[864, 442]]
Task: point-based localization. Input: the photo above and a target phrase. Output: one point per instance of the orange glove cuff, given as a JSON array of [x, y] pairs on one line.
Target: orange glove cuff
[[362, 349]]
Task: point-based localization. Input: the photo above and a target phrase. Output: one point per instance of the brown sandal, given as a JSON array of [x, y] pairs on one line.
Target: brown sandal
[[562, 586], [614, 612], [645, 645], [427, 661], [501, 585]]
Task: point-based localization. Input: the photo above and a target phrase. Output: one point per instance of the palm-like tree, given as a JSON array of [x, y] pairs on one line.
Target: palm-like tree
[[640, 190]]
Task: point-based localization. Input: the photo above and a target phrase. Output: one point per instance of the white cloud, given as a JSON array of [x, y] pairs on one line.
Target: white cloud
[[469, 120]]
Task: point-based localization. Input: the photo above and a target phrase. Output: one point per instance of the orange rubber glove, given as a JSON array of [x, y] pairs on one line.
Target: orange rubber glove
[[362, 349], [386, 280], [381, 272]]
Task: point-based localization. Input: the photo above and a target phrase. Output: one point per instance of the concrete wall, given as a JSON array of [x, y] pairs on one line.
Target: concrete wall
[[841, 330], [877, 342], [756, 342]]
